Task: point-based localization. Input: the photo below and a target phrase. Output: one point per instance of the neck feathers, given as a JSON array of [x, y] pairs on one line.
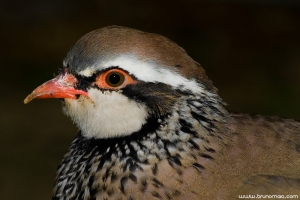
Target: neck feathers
[[179, 137]]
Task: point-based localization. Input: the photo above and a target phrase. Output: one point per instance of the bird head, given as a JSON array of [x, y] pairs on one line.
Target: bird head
[[116, 80]]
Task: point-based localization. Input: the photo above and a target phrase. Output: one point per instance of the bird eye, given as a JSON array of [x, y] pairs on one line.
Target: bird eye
[[114, 79]]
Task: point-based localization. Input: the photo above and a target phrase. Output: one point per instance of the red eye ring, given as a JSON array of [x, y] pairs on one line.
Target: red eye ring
[[114, 79]]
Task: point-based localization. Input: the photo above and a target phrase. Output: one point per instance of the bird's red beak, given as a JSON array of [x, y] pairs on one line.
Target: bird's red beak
[[62, 86]]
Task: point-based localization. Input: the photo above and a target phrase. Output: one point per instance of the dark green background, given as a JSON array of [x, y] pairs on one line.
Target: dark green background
[[250, 49]]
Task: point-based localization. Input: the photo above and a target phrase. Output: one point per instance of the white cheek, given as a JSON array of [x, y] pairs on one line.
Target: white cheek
[[111, 115]]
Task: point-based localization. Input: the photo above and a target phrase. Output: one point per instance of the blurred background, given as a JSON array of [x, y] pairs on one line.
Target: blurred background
[[250, 49]]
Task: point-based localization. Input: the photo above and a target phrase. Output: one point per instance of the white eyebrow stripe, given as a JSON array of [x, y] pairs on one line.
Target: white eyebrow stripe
[[88, 72], [148, 72]]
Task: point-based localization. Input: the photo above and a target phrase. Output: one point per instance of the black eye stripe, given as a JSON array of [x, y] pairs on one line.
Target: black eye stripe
[[85, 82]]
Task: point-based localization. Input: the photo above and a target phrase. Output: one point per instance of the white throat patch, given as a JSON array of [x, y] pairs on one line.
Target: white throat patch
[[111, 115]]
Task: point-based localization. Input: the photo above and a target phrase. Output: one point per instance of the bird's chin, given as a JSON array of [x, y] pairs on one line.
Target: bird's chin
[[109, 115]]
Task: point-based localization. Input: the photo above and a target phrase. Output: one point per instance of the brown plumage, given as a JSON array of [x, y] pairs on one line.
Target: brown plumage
[[152, 126]]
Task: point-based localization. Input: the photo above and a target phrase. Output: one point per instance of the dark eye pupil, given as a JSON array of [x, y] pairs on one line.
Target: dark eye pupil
[[114, 78]]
